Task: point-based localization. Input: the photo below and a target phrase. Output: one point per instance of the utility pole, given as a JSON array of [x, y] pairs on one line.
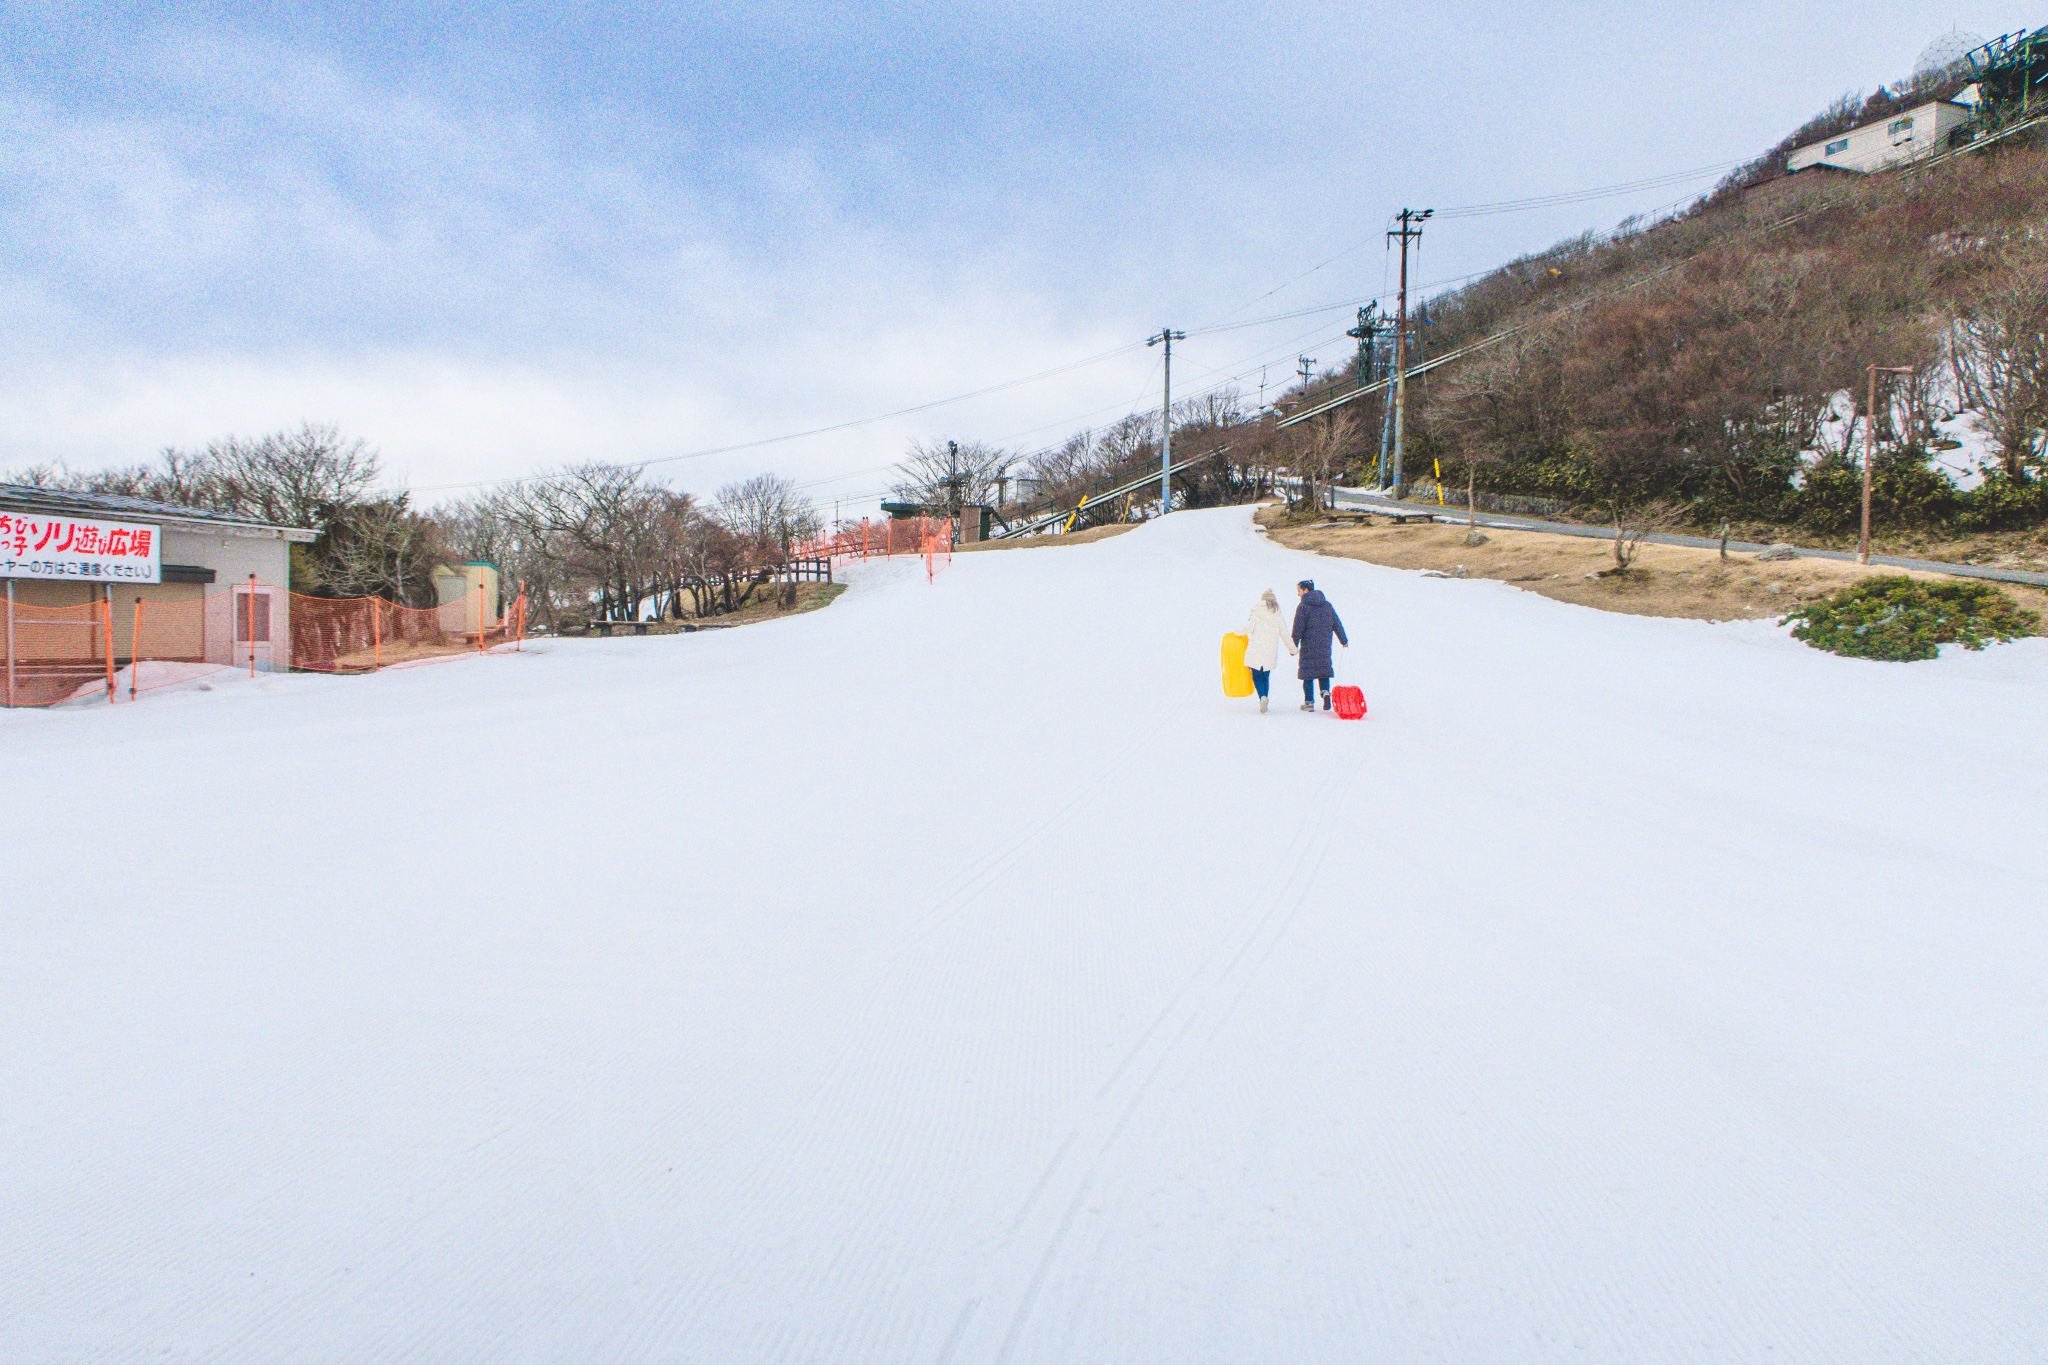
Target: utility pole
[[1386, 434], [1870, 450], [1167, 336], [1307, 371], [1409, 231]]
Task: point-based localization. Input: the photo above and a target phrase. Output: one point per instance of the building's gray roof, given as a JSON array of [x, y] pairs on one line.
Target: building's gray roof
[[31, 498]]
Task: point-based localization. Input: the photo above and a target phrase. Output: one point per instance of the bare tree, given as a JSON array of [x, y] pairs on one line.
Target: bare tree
[[1998, 353], [379, 548], [952, 474], [769, 511], [1325, 444], [294, 478]]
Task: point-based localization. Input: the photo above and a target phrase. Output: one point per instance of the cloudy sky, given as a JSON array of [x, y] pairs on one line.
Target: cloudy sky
[[494, 239]]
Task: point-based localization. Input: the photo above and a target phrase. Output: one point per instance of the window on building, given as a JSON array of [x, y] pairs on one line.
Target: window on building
[[1840, 144], [254, 605], [1900, 125]]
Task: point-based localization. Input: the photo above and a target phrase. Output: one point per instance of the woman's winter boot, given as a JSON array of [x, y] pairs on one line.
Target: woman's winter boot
[[1262, 706]]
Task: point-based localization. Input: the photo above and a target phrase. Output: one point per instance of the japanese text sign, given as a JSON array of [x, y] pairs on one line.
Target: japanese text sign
[[33, 545]]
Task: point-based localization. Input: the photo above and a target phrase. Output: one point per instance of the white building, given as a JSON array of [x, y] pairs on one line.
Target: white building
[[1915, 133], [81, 570]]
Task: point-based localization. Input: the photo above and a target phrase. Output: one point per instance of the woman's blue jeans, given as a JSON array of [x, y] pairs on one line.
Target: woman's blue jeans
[[1260, 677]]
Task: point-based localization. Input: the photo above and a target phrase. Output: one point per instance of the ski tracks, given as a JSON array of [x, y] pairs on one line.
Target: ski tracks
[[873, 1061], [1019, 1269]]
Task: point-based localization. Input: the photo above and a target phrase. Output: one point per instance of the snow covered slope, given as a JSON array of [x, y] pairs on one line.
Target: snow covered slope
[[954, 975]]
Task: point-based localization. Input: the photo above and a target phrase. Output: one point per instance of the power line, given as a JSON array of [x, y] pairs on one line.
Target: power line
[[1486, 210], [814, 431], [1544, 201], [1220, 325]]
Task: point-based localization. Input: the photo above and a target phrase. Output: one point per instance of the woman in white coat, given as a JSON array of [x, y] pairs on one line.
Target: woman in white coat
[[1264, 632]]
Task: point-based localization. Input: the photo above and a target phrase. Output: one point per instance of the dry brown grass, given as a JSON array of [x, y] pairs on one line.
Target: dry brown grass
[[766, 606], [1087, 537], [1667, 580]]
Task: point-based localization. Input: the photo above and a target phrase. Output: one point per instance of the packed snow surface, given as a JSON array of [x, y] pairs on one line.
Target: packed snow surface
[[955, 975]]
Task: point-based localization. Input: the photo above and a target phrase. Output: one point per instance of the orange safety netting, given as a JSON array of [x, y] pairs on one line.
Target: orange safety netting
[[363, 634], [938, 548], [929, 537], [119, 650], [54, 653]]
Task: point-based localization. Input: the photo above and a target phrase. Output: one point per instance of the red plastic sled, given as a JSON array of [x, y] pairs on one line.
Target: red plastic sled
[[1349, 701]]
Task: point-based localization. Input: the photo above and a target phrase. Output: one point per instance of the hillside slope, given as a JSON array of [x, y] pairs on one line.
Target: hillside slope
[[1712, 361]]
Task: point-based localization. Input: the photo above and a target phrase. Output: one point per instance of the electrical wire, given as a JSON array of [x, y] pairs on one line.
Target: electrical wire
[[813, 431], [1218, 325], [1544, 201]]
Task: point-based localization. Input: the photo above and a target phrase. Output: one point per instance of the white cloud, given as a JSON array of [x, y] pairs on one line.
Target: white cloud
[[816, 220]]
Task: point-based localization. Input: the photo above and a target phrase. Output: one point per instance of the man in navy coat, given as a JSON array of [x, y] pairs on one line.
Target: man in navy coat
[[1315, 621]]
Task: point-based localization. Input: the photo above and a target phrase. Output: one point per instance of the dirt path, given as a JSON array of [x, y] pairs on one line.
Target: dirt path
[[1667, 580]]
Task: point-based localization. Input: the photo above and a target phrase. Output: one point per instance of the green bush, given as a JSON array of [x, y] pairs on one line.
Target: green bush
[[2000, 504], [1904, 491], [1899, 618]]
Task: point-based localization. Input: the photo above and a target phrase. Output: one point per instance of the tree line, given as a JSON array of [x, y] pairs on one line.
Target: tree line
[[588, 540]]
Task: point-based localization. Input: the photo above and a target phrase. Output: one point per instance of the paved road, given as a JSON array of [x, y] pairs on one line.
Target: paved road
[[1359, 498]]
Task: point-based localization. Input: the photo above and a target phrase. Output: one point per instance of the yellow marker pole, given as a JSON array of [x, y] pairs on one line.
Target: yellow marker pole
[[1075, 515], [1438, 466]]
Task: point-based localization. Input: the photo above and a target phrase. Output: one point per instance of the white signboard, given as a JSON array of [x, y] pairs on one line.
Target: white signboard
[[33, 545]]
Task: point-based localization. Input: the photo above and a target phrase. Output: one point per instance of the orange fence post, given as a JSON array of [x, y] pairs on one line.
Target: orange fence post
[[135, 652], [10, 642], [376, 635], [522, 616], [107, 612], [479, 613]]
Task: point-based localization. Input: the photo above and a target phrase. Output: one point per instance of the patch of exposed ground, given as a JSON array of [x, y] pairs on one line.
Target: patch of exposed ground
[[768, 604], [1087, 537], [1666, 580]]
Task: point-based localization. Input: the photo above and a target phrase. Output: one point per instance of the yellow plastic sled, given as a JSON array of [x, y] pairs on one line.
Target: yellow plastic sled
[[1237, 679]]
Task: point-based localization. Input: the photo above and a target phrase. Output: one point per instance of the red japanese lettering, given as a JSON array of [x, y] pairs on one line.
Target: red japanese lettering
[[85, 540], [49, 529], [140, 545]]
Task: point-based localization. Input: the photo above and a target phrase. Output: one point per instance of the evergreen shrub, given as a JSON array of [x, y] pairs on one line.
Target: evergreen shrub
[[2001, 504], [1901, 619]]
